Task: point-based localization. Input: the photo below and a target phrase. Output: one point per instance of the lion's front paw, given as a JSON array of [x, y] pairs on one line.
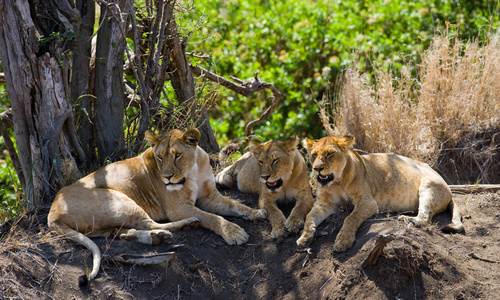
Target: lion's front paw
[[343, 242], [293, 224], [278, 233], [303, 241], [257, 214], [306, 237], [234, 234]]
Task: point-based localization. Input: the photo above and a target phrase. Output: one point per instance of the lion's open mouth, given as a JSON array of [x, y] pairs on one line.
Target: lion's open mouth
[[274, 185], [325, 179]]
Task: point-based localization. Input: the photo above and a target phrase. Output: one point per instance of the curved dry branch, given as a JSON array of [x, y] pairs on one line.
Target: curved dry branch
[[245, 88], [6, 122]]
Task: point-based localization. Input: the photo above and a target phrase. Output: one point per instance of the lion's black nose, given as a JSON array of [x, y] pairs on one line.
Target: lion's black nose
[[318, 169]]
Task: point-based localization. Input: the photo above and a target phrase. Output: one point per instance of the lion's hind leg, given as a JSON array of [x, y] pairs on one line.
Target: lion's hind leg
[[115, 213], [433, 197]]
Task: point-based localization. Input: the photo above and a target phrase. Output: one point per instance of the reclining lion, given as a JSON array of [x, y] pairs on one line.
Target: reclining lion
[[277, 172], [373, 182], [128, 198]]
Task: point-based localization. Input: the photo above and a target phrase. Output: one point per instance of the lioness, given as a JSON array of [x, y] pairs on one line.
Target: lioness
[[373, 182], [128, 197], [277, 172]]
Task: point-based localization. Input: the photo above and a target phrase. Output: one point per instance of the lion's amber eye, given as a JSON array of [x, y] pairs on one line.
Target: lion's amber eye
[[330, 154], [260, 162], [275, 161], [313, 157], [178, 155], [159, 157]]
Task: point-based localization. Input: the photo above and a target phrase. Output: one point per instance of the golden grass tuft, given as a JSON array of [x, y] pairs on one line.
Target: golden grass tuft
[[455, 96]]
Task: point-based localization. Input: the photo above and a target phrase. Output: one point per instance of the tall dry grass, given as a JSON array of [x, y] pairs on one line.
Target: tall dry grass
[[456, 92]]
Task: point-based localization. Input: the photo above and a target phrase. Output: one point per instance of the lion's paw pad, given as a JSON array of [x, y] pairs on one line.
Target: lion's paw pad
[[160, 236]]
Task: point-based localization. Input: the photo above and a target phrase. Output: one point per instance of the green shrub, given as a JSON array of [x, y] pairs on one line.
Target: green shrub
[[10, 195], [301, 46]]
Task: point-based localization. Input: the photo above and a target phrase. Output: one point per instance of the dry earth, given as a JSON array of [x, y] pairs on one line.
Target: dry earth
[[421, 263]]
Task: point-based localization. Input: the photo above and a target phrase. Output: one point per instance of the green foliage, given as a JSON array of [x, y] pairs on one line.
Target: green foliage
[[301, 46], [10, 195]]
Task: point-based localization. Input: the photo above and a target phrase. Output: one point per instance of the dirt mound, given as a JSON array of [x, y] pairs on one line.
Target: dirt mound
[[420, 263]]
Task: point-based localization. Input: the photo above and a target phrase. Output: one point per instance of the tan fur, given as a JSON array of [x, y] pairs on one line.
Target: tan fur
[[268, 164], [129, 197], [373, 182]]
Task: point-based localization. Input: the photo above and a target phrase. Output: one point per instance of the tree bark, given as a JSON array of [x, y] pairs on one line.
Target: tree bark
[[183, 81], [109, 90], [36, 86], [81, 79]]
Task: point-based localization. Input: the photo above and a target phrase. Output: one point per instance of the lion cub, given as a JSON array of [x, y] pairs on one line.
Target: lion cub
[[373, 182], [171, 180], [277, 172]]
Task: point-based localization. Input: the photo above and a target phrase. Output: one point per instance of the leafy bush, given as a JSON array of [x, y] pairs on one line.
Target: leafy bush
[[10, 196], [301, 46]]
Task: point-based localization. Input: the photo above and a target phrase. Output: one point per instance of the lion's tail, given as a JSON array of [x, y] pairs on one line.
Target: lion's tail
[[456, 221], [84, 241]]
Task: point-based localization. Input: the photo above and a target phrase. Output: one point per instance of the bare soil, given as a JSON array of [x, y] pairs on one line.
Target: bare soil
[[421, 263]]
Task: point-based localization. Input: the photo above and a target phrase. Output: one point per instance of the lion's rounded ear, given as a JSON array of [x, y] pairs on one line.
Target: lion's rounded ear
[[346, 141], [254, 147], [152, 138], [290, 144], [308, 144], [191, 137]]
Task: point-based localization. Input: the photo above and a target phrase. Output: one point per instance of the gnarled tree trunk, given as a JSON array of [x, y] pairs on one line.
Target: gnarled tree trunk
[[34, 74]]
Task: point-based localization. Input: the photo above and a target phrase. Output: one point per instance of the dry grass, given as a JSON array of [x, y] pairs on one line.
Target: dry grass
[[456, 94]]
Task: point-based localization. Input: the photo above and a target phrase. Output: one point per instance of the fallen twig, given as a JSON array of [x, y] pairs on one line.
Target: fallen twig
[[474, 188], [474, 256], [142, 260], [328, 280]]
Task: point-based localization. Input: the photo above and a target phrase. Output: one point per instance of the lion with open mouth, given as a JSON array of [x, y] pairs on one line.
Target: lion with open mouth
[[373, 183], [277, 172]]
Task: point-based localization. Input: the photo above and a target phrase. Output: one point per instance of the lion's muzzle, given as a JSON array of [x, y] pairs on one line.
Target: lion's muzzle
[[174, 186], [325, 179], [273, 186]]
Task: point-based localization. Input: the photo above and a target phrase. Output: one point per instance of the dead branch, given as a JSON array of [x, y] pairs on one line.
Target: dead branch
[[382, 241], [142, 260], [474, 256], [6, 117], [6, 122], [474, 188], [198, 55], [246, 89]]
